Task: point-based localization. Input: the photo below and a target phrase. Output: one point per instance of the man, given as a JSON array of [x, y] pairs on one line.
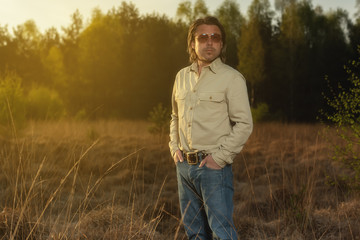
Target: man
[[210, 123]]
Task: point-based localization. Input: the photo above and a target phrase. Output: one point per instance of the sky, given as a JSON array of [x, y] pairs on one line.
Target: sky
[[56, 13]]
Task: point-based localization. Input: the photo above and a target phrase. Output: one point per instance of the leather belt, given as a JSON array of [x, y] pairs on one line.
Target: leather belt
[[194, 158]]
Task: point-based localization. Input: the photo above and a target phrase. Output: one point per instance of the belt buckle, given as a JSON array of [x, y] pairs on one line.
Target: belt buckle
[[192, 158]]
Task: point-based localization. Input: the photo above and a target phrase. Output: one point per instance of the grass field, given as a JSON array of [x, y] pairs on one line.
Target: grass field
[[114, 180]]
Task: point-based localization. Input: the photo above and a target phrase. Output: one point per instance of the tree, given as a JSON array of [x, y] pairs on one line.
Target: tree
[[184, 11], [121, 61], [27, 62], [165, 48], [292, 41], [309, 44], [70, 41], [253, 45], [53, 60], [187, 14], [354, 29], [4, 36], [73, 31], [49, 39], [28, 37], [12, 102], [251, 54], [200, 9], [70, 55], [101, 64], [281, 5], [357, 6], [230, 16], [7, 49]]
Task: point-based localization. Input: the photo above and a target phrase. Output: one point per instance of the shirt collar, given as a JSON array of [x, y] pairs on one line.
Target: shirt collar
[[214, 66], [194, 67]]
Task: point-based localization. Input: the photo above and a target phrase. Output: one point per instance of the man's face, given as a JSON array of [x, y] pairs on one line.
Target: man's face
[[208, 43]]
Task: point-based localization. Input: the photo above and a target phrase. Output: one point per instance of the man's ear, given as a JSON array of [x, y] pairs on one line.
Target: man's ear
[[193, 45]]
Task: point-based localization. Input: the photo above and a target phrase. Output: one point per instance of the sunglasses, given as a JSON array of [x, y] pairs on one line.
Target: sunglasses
[[203, 38]]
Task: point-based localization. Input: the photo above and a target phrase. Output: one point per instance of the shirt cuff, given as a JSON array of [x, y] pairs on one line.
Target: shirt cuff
[[221, 158], [173, 151]]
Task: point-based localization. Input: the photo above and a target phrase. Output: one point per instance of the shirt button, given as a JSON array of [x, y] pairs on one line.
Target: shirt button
[[189, 125], [191, 108], [210, 97], [194, 90]]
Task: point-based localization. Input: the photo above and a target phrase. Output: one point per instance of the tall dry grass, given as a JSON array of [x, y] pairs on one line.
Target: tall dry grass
[[114, 180]]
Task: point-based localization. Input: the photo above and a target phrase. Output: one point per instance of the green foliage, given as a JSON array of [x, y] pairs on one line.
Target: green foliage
[[81, 115], [159, 117], [121, 63], [260, 113], [54, 62], [253, 47], [12, 101], [101, 61], [344, 115], [28, 36], [12, 104], [184, 10], [44, 103], [231, 18]]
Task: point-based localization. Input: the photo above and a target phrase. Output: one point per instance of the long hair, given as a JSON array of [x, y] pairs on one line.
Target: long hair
[[209, 20]]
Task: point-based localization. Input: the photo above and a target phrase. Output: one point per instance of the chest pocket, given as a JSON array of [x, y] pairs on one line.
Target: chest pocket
[[180, 100], [212, 105]]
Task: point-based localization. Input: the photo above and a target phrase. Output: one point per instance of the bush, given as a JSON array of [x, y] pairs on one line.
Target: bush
[[260, 113], [159, 116], [44, 103], [344, 115], [12, 101]]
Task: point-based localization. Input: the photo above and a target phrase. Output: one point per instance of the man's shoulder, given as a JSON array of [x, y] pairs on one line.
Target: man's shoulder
[[231, 71], [227, 67], [185, 69], [183, 72]]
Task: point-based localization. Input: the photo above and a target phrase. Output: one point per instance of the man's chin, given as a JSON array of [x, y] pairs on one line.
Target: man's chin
[[208, 59]]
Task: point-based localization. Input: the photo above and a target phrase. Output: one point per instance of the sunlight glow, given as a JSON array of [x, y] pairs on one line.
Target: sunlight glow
[[56, 13]]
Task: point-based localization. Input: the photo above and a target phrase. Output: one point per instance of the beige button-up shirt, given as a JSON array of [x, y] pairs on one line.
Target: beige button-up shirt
[[210, 112]]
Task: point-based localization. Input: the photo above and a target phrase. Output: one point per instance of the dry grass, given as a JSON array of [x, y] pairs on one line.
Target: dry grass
[[114, 180]]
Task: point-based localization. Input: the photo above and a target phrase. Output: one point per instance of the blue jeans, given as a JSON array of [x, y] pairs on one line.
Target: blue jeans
[[206, 201]]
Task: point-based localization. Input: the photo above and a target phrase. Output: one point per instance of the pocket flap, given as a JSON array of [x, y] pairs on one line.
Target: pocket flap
[[212, 96]]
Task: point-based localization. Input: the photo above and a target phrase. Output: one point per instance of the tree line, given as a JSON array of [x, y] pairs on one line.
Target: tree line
[[121, 64]]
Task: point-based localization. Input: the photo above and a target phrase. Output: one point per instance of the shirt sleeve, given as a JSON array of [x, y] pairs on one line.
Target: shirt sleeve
[[174, 123], [240, 114]]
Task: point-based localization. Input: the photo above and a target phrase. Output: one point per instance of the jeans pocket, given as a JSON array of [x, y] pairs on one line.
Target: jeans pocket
[[212, 169]]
